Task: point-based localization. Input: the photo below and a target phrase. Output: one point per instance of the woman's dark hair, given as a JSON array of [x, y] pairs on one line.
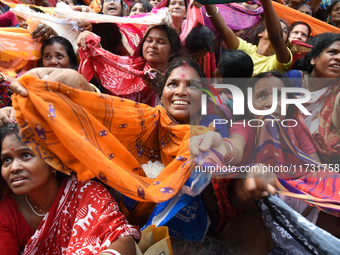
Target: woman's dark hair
[[147, 7], [300, 23], [319, 43], [178, 62], [331, 6], [13, 128], [67, 46], [259, 27], [5, 130], [173, 37], [110, 36], [284, 22], [304, 4], [252, 82], [185, 2], [254, 37], [235, 64], [199, 38], [121, 4], [8, 129]]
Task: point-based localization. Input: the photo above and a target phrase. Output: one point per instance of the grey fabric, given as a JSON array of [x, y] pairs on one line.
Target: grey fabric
[[294, 234]]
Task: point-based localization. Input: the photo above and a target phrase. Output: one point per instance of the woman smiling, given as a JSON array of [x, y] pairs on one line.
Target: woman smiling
[[126, 76]]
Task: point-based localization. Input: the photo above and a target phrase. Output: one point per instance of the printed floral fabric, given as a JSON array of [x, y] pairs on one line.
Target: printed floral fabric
[[83, 219]]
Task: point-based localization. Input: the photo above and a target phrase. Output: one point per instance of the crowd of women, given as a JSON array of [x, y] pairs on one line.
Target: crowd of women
[[80, 133]]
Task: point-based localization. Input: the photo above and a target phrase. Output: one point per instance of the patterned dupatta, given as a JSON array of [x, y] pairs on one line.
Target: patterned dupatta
[[83, 219], [298, 175], [326, 139], [303, 177], [107, 137], [236, 16], [64, 126], [121, 75]]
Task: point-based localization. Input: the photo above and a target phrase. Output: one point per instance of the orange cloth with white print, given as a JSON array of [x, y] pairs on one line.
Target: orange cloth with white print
[[102, 136]]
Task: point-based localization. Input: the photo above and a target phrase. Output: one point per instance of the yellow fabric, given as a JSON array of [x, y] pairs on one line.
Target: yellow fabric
[[263, 63], [102, 136]]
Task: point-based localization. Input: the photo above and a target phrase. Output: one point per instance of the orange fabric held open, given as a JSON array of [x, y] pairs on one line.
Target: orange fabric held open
[[102, 136]]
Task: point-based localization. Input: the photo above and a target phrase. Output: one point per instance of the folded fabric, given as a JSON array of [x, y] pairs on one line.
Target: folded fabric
[[235, 16], [17, 48], [294, 234]]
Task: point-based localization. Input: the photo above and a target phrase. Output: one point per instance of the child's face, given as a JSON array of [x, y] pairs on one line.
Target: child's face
[[263, 95], [154, 2]]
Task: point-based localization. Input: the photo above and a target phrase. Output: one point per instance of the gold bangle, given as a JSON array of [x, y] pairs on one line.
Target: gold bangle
[[95, 88]]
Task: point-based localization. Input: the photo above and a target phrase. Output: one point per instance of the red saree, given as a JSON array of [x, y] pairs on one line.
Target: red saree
[[83, 219], [121, 75]]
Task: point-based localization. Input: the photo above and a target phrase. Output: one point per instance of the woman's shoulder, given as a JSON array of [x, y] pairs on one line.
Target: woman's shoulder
[[295, 77], [87, 186], [11, 215], [7, 204], [294, 74]]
